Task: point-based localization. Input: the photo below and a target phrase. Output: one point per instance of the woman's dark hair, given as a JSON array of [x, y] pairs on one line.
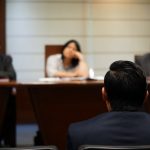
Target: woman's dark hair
[[125, 85], [74, 61]]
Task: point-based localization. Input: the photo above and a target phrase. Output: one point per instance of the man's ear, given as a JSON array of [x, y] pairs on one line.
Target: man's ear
[[104, 95], [146, 96], [105, 98]]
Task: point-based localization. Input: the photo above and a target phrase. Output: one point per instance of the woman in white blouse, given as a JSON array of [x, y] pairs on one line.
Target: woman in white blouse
[[70, 63]]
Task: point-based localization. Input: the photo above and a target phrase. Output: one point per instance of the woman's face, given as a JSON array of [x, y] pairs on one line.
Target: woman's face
[[70, 50]]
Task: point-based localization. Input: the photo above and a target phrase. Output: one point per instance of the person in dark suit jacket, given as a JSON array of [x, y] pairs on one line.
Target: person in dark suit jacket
[[6, 67], [8, 134], [124, 92]]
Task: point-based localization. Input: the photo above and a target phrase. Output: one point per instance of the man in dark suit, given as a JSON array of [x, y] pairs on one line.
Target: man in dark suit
[[124, 92], [8, 134], [6, 67]]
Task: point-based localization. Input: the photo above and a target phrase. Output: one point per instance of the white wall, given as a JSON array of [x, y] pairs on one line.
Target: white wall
[[108, 30]]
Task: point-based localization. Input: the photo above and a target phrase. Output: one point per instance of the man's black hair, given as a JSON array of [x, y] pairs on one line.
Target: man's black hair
[[125, 85]]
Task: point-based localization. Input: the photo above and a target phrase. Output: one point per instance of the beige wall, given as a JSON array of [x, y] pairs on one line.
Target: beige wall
[[108, 30]]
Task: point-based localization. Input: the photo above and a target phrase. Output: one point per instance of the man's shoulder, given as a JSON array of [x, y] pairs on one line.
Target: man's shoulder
[[89, 122], [107, 118]]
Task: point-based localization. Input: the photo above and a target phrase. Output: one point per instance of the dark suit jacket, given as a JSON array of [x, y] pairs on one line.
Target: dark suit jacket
[[113, 128], [9, 123], [6, 68]]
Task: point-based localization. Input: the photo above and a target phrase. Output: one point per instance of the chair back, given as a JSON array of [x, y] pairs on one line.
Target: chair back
[[51, 50], [106, 147], [137, 59], [144, 62]]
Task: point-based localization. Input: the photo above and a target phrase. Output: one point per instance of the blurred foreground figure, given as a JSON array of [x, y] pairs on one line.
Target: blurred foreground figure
[[124, 91], [8, 73]]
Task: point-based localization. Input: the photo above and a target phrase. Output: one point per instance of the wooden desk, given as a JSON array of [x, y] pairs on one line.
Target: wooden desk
[[24, 111], [56, 105]]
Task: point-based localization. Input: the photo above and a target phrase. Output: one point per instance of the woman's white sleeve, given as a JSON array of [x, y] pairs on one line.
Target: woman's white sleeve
[[51, 66]]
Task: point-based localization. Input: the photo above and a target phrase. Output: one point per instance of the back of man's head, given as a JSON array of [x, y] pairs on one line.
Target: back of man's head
[[125, 85]]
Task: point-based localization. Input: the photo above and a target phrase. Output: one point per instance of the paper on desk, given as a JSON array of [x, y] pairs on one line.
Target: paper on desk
[[49, 79], [97, 78], [53, 79]]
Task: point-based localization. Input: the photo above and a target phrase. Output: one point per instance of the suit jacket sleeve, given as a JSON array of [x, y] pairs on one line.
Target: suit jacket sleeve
[[8, 71]]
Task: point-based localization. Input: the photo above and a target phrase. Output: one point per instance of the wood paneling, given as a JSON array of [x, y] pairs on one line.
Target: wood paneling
[[23, 106], [2, 26]]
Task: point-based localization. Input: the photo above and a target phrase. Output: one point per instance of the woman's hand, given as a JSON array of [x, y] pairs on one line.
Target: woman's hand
[[62, 74], [77, 55]]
